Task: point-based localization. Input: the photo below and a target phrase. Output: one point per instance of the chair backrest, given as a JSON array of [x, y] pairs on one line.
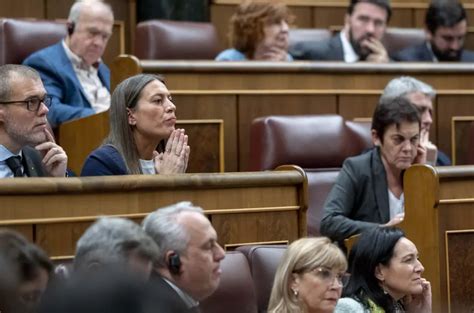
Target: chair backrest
[[297, 35], [317, 143], [263, 261], [235, 293], [160, 39], [20, 38], [396, 39]]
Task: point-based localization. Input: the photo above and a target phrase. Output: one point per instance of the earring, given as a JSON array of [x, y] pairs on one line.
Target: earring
[[295, 292]]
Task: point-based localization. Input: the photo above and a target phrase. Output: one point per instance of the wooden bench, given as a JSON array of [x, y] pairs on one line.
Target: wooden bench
[[244, 208], [439, 219]]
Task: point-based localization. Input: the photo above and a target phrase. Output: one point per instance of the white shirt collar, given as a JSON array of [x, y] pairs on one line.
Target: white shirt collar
[[350, 56], [435, 59], [78, 61]]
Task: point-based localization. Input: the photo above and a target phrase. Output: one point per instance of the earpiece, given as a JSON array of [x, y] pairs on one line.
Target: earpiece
[[174, 263], [70, 28]]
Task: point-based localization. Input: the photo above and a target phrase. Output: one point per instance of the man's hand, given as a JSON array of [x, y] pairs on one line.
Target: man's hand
[[379, 53], [176, 155], [54, 157], [431, 149]]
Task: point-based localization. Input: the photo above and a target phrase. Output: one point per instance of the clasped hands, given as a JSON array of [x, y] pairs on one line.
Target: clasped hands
[[175, 158]]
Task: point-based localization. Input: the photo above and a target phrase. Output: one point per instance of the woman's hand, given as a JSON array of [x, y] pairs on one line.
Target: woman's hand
[[176, 155], [420, 303]]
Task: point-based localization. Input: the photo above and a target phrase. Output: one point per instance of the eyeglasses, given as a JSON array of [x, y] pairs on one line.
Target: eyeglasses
[[328, 276], [33, 104]]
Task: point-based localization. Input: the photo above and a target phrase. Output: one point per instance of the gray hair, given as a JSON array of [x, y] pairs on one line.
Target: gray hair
[[110, 240], [6, 73], [404, 85], [76, 9], [162, 225], [126, 96]]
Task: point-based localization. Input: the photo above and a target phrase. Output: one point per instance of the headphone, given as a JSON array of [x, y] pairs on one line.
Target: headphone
[[174, 263], [70, 28]]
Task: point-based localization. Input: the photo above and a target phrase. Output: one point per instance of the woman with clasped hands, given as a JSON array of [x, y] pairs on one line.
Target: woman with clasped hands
[[142, 137], [309, 278], [386, 275]]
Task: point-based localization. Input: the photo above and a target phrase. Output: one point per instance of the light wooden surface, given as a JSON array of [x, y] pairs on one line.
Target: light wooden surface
[[439, 214], [243, 207]]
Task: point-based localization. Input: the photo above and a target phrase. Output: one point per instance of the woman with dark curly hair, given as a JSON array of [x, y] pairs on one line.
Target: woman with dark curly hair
[[259, 31]]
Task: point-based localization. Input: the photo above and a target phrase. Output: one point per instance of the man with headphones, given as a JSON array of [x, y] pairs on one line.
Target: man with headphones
[[72, 70], [188, 266]]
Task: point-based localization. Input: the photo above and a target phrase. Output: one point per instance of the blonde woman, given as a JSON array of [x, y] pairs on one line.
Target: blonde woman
[[310, 277]]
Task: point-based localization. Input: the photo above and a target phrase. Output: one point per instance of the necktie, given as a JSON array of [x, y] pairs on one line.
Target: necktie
[[14, 163]]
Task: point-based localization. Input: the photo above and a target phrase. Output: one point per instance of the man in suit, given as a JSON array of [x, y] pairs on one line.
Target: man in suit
[[27, 148], [360, 40], [72, 70], [188, 266], [113, 242], [445, 28]]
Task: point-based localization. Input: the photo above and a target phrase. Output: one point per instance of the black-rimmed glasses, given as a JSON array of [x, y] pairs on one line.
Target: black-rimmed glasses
[[33, 104]]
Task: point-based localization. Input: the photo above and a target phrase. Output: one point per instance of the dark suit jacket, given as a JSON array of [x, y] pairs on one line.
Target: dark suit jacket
[[105, 160], [61, 82], [421, 53], [325, 50], [166, 300], [359, 198], [32, 162]]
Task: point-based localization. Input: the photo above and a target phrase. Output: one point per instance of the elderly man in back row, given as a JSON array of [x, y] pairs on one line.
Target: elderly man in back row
[[27, 148], [72, 70], [421, 95], [188, 266], [360, 40]]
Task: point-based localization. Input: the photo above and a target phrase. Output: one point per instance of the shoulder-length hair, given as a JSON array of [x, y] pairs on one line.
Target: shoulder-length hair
[[248, 22], [373, 248], [126, 96], [302, 256]]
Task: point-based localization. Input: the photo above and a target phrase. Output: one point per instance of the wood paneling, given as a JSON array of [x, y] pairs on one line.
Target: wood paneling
[[243, 207], [262, 88], [22, 8], [443, 199], [460, 284]]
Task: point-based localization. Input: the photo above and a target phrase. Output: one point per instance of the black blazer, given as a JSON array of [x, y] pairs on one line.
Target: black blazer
[[421, 53], [325, 50], [166, 299], [359, 198], [32, 162]]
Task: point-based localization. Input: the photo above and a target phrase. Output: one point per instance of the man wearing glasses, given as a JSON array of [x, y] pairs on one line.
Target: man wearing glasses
[[72, 70], [27, 148]]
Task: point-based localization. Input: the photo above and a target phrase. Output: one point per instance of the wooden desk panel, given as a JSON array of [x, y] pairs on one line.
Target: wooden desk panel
[[243, 207], [439, 210]]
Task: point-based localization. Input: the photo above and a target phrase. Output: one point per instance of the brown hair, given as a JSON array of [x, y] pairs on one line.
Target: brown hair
[[247, 23]]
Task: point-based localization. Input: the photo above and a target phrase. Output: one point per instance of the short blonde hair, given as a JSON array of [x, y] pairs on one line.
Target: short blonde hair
[[301, 256]]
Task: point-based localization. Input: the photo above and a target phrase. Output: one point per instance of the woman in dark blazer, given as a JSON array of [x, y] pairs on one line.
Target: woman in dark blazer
[[142, 137], [368, 191]]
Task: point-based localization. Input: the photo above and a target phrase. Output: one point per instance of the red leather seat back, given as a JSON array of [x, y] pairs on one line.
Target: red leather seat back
[[20, 38], [160, 39]]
